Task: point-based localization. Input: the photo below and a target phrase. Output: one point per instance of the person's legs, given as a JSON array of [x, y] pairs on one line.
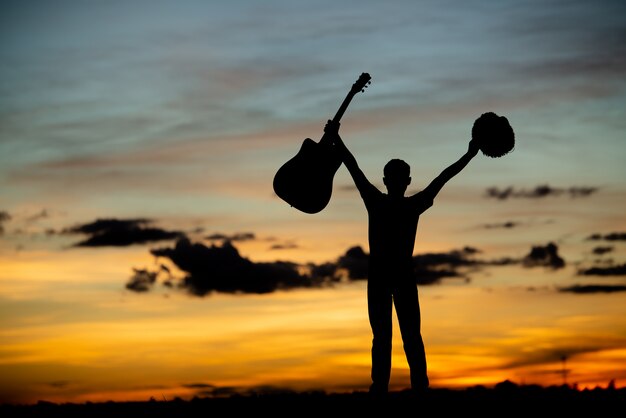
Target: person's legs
[[379, 308], [409, 318]]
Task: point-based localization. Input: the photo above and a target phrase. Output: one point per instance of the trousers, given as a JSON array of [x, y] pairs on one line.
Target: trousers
[[383, 292]]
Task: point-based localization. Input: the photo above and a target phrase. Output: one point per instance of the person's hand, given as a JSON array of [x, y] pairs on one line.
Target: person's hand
[[332, 128]]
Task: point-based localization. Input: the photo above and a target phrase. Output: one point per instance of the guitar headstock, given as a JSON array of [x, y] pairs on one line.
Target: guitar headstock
[[361, 84]]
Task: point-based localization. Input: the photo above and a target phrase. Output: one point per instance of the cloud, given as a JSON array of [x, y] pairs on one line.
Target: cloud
[[602, 250], [287, 246], [428, 268], [4, 217], [355, 262], [604, 271], [249, 236], [504, 225], [544, 256], [538, 192], [326, 271], [613, 236], [142, 280], [239, 236], [432, 267], [223, 269], [120, 232], [593, 288]]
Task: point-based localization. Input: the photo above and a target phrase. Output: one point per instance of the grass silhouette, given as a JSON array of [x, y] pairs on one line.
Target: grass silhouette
[[505, 399]]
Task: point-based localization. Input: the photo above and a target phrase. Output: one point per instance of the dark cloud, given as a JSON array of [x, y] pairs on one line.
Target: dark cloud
[[239, 236], [544, 256], [355, 262], [613, 236], [503, 225], [604, 271], [540, 191], [223, 269], [120, 232], [324, 271], [429, 268], [602, 250], [452, 258], [581, 191], [426, 276], [593, 288], [287, 246], [4, 217], [142, 280]]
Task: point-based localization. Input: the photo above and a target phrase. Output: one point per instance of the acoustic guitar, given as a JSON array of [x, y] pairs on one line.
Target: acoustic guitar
[[306, 180]]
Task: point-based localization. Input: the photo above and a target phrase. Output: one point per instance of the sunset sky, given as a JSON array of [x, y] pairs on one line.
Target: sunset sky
[[144, 253]]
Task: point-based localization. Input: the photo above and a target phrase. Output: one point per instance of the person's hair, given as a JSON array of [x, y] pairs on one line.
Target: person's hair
[[397, 168]]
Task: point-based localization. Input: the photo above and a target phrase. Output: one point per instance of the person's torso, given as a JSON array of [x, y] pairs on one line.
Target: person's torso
[[392, 229]]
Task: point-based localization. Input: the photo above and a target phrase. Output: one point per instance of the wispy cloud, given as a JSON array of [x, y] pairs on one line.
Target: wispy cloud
[[619, 270], [602, 250], [544, 256], [593, 288], [238, 236], [612, 236], [284, 246], [502, 225], [4, 217], [538, 192], [142, 280], [120, 232]]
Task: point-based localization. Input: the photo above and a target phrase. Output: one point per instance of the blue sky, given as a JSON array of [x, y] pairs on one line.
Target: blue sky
[[181, 112]]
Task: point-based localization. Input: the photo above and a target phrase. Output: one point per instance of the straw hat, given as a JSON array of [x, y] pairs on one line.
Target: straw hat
[[494, 134]]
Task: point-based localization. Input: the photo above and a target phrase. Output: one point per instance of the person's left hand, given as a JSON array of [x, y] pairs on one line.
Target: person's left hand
[[332, 127], [473, 147]]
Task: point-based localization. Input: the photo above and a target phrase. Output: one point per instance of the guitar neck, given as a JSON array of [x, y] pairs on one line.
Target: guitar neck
[[343, 107], [339, 114]]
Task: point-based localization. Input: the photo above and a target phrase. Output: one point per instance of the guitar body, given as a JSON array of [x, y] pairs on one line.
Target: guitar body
[[306, 181]]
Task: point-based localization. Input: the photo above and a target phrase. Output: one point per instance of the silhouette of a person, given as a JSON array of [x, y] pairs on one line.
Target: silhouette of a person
[[392, 229]]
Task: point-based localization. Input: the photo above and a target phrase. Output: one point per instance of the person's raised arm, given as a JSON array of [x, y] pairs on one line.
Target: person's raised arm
[[435, 186], [361, 182]]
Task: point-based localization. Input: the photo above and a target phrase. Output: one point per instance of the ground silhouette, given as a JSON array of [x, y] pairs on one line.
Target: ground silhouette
[[506, 398]]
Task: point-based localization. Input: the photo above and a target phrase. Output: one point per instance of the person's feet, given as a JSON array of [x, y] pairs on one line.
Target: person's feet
[[378, 390], [420, 383], [419, 392]]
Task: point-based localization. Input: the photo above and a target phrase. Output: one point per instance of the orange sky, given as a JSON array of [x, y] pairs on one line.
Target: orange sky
[[175, 117]]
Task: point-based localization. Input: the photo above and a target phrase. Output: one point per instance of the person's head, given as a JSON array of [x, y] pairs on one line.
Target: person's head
[[397, 177]]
